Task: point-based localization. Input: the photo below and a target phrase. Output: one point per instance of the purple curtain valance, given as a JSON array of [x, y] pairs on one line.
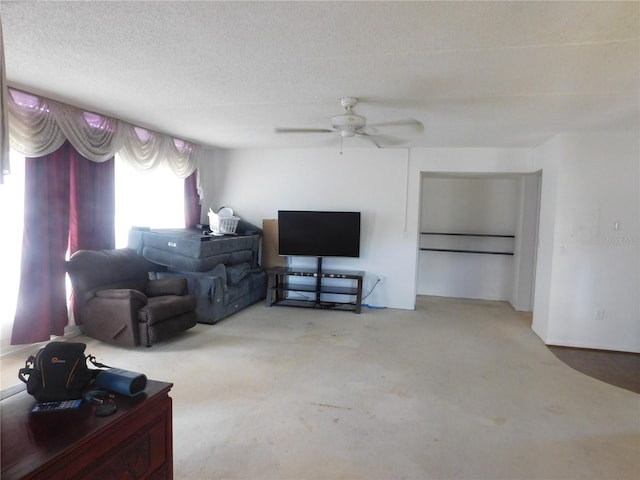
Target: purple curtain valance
[[39, 126]]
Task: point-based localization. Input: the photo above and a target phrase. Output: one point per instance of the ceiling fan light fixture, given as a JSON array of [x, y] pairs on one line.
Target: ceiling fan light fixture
[[348, 120]]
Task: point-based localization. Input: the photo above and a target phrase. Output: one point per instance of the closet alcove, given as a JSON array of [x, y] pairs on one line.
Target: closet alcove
[[478, 236]]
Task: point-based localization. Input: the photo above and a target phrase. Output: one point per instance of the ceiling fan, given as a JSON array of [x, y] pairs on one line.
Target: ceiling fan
[[350, 124]]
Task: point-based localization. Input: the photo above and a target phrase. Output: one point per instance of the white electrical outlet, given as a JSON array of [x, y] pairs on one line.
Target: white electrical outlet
[[380, 278]]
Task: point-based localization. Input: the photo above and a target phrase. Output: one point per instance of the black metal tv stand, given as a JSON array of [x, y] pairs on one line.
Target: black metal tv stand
[[286, 282]]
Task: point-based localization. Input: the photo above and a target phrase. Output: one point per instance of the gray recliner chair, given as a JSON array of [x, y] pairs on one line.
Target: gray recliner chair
[[117, 302]]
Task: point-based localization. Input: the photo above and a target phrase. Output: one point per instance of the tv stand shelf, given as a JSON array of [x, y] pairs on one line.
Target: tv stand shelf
[[282, 283]]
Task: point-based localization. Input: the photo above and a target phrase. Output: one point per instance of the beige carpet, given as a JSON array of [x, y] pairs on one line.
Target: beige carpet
[[453, 390]]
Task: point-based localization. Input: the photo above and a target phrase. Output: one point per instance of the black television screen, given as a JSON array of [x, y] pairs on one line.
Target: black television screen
[[319, 234]]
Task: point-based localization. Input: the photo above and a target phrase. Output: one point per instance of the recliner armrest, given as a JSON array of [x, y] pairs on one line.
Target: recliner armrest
[[112, 315], [167, 286]]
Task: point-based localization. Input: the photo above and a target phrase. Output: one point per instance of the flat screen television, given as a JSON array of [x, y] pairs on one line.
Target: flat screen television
[[318, 234]]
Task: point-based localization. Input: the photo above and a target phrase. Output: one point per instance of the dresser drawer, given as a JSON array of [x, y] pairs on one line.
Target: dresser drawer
[[137, 458]]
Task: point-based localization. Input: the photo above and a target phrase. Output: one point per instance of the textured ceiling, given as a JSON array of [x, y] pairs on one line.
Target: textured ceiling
[[483, 74]]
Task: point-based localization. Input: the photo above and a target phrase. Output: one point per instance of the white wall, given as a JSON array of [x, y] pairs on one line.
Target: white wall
[[525, 248], [588, 273], [257, 183]]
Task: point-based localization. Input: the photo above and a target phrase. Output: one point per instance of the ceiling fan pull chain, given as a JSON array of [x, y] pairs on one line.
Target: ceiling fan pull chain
[[340, 144]]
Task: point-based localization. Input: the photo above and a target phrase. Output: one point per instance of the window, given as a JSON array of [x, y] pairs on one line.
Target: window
[[150, 199], [153, 200], [11, 220]]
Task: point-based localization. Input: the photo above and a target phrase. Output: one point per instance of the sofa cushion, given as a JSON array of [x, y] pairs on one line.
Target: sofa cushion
[[236, 292], [220, 270], [176, 262], [240, 256], [159, 309], [167, 286], [237, 273]]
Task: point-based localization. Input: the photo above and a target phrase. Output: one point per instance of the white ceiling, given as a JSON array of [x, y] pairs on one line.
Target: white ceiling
[[482, 74]]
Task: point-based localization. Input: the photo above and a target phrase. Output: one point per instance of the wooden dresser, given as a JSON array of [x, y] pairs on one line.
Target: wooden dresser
[[134, 443]]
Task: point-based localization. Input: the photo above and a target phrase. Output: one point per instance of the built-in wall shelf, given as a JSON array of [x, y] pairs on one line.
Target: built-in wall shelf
[[468, 234], [448, 247]]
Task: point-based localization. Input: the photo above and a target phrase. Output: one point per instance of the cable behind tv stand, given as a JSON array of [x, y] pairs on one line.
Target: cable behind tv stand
[[331, 290]]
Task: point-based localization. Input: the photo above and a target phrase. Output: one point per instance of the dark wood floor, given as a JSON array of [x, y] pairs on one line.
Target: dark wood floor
[[617, 368]]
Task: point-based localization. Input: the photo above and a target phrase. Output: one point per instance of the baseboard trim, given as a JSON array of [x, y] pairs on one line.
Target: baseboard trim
[[71, 331], [591, 349]]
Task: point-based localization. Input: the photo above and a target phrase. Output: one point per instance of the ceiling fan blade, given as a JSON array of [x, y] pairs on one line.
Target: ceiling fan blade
[[409, 122], [380, 140], [304, 130], [371, 138]]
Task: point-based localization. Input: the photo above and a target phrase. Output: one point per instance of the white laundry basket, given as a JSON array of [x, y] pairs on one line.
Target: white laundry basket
[[223, 222]]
